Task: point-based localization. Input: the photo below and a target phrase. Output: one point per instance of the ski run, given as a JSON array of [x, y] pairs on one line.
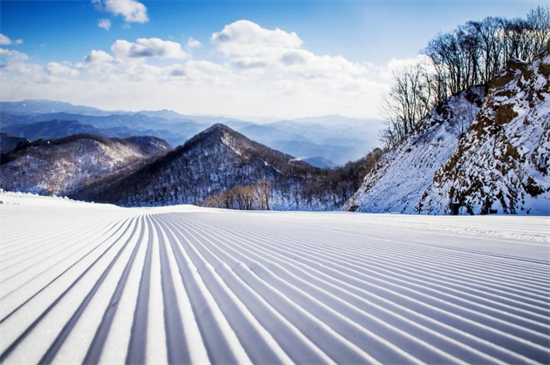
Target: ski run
[[92, 283]]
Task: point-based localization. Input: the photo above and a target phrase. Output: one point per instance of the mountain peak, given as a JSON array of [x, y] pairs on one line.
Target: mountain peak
[[214, 132], [219, 127]]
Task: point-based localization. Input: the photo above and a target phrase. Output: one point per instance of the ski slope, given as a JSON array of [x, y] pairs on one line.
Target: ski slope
[[91, 283]]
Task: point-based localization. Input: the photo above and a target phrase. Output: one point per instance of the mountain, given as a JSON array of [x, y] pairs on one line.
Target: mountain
[[320, 162], [67, 165], [486, 149], [213, 161], [164, 113], [503, 164], [47, 106], [54, 129], [218, 167], [402, 175], [119, 125], [336, 138], [330, 142], [8, 143]]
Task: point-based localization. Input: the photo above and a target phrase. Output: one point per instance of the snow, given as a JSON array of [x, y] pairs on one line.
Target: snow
[[404, 174], [84, 282], [496, 160]]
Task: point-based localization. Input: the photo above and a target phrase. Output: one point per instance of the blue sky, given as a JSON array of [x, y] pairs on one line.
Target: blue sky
[[362, 33]]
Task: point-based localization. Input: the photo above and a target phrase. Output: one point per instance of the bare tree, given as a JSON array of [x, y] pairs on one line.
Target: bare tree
[[472, 54]]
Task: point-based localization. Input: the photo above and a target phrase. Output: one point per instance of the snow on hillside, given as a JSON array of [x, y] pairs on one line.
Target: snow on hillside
[[95, 283], [402, 176], [66, 165], [486, 153], [504, 162]]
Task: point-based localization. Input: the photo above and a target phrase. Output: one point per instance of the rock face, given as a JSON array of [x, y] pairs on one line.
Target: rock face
[[485, 151], [503, 164], [66, 166], [401, 176]]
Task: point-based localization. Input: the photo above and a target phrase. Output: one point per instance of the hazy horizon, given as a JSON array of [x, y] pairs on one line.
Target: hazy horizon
[[259, 60]]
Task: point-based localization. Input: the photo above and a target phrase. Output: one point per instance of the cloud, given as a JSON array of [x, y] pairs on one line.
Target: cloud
[[258, 71], [13, 56], [131, 10], [248, 46], [16, 62], [98, 57], [104, 23], [397, 64], [59, 70], [193, 43], [148, 47], [5, 40], [293, 58], [247, 33]]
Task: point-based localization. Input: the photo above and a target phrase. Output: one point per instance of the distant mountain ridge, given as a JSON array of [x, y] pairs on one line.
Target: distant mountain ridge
[[30, 106], [54, 129], [66, 166], [335, 138]]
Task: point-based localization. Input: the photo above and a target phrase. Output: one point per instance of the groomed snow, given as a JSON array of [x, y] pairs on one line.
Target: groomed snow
[[92, 283]]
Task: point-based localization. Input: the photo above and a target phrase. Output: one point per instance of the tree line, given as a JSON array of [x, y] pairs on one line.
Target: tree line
[[472, 54], [320, 188]]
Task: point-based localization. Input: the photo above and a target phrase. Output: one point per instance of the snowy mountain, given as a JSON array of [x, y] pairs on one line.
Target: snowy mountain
[[68, 165], [485, 150], [503, 164], [213, 161]]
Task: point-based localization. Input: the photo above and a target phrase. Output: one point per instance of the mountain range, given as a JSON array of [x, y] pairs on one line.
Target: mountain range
[[336, 139], [145, 170], [483, 150]]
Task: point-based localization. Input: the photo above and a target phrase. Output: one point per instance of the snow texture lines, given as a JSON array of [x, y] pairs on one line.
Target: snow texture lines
[[95, 284]]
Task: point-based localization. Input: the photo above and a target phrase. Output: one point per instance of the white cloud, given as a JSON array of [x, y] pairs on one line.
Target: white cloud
[[248, 46], [13, 56], [16, 62], [59, 70], [193, 43], [261, 72], [247, 33], [148, 47], [104, 23], [4, 40], [131, 10], [98, 56]]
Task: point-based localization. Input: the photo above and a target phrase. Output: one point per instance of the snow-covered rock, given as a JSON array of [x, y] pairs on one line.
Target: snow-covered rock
[[501, 162], [402, 175]]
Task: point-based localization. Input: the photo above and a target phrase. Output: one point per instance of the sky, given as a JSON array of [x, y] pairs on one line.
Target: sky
[[236, 58]]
